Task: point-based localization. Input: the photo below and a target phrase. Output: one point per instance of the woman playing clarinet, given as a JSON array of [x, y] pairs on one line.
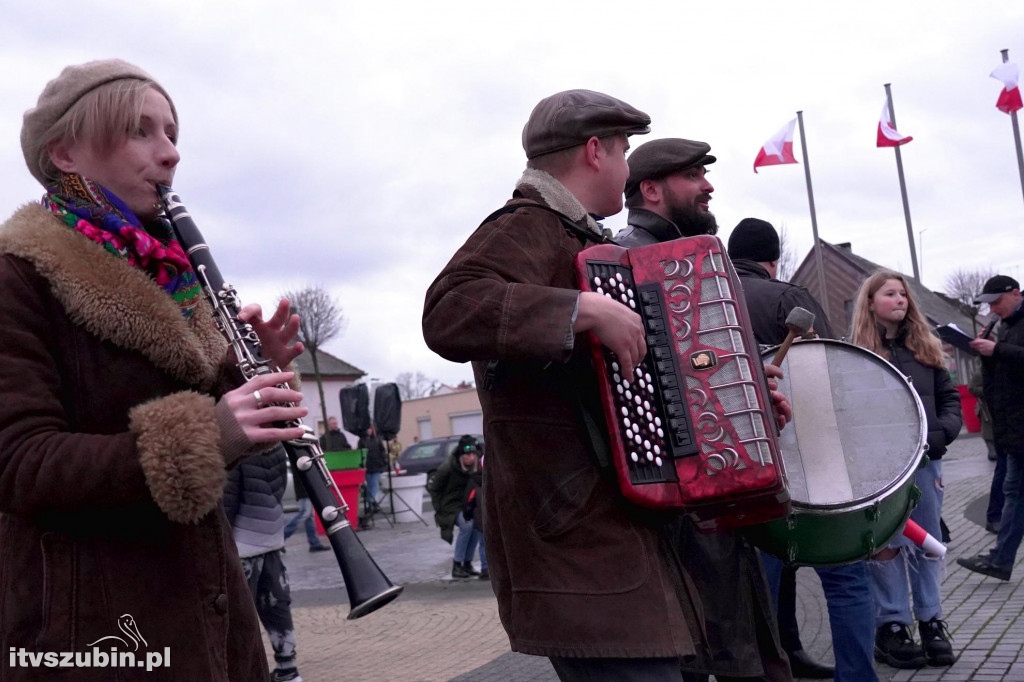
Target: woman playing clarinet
[[887, 321], [119, 410]]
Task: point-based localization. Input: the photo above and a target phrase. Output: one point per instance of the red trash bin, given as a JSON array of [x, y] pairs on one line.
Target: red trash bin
[[348, 482], [967, 405]]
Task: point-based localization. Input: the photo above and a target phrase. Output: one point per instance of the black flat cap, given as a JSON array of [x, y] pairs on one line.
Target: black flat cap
[[996, 287], [658, 158], [570, 118], [754, 239]]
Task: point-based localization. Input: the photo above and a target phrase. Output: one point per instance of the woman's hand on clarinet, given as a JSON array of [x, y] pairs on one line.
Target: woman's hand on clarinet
[[783, 410], [260, 403], [276, 333]]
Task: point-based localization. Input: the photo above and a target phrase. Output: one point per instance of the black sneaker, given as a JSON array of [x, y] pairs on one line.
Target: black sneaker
[[319, 548], [468, 565], [289, 675], [459, 571], [484, 575], [935, 639], [894, 646], [982, 564]]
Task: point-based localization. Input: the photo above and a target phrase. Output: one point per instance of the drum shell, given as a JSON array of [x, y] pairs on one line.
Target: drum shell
[[827, 528]]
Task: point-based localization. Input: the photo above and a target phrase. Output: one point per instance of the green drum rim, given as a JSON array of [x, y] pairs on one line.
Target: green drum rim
[[807, 538], [837, 534]]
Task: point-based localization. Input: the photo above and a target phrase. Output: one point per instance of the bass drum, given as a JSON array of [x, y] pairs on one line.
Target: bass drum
[[858, 435]]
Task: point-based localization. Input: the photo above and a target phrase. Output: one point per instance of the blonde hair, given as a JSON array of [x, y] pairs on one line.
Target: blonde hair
[[103, 117], [919, 339]]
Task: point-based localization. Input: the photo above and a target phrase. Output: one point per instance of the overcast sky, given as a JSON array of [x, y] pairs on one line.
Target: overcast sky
[[357, 145]]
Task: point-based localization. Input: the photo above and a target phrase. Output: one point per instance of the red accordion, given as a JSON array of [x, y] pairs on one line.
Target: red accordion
[[693, 429]]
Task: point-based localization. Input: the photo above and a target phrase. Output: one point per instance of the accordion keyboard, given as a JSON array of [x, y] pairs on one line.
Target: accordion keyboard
[[652, 417]]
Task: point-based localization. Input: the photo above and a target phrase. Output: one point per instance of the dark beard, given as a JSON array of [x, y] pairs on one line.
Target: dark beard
[[692, 221]]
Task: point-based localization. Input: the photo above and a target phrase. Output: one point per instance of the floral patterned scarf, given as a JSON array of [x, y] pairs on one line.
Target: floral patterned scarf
[[98, 214]]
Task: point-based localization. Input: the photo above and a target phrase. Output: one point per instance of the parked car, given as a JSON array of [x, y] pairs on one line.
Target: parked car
[[425, 456]]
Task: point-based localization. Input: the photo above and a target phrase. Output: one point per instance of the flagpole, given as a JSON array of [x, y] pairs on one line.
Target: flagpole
[[903, 187], [1016, 133], [819, 262]]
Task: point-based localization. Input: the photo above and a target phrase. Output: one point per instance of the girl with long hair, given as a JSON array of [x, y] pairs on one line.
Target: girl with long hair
[[887, 321]]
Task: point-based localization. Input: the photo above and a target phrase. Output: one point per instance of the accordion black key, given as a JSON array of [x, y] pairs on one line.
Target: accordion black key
[[691, 428]]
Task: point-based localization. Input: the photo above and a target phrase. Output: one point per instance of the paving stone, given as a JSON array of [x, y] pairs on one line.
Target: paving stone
[[442, 629]]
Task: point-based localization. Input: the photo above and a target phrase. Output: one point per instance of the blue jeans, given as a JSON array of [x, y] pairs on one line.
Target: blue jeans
[[996, 498], [305, 514], [850, 615], [889, 578], [467, 542], [373, 485], [1012, 530]]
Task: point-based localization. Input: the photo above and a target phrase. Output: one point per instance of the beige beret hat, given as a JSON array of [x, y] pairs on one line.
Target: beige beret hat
[[60, 95]]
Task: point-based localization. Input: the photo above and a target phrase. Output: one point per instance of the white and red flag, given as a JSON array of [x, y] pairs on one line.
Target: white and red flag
[[778, 149], [1009, 99], [887, 135]]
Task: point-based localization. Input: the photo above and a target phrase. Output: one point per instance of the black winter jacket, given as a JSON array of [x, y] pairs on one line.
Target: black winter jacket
[[376, 458], [646, 227], [252, 502], [769, 302], [449, 491], [1003, 380], [938, 395]]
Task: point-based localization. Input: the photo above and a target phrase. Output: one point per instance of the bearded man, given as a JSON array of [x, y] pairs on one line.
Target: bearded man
[[668, 193]]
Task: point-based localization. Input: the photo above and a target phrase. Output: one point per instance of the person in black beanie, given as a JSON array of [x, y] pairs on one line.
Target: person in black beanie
[[755, 250]]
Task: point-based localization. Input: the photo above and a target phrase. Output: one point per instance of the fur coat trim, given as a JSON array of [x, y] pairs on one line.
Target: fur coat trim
[[178, 440], [557, 196], [115, 301]]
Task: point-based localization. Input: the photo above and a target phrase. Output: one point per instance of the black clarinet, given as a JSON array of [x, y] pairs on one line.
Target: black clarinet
[[368, 588]]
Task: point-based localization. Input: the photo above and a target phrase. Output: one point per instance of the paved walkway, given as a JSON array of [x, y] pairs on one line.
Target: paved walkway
[[440, 629]]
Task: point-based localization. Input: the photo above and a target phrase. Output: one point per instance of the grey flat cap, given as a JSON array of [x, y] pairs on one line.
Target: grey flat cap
[[658, 158], [570, 118]]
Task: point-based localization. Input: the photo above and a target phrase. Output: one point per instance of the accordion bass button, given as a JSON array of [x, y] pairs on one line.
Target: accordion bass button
[[635, 457], [657, 460], [615, 366]]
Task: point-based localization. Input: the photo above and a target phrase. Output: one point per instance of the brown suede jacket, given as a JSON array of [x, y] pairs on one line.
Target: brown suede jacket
[[112, 465], [575, 573]]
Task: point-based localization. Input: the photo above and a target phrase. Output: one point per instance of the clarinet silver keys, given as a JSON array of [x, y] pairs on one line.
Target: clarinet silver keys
[[368, 588]]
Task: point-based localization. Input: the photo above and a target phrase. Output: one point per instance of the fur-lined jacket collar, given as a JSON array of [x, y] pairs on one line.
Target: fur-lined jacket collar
[[557, 196], [113, 300]]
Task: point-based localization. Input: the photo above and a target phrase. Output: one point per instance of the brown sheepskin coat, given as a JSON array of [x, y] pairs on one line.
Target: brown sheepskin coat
[[576, 571], [112, 468]]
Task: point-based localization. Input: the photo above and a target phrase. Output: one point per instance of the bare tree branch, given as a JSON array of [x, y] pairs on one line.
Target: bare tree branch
[[416, 385], [320, 320], [964, 284], [787, 257]]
